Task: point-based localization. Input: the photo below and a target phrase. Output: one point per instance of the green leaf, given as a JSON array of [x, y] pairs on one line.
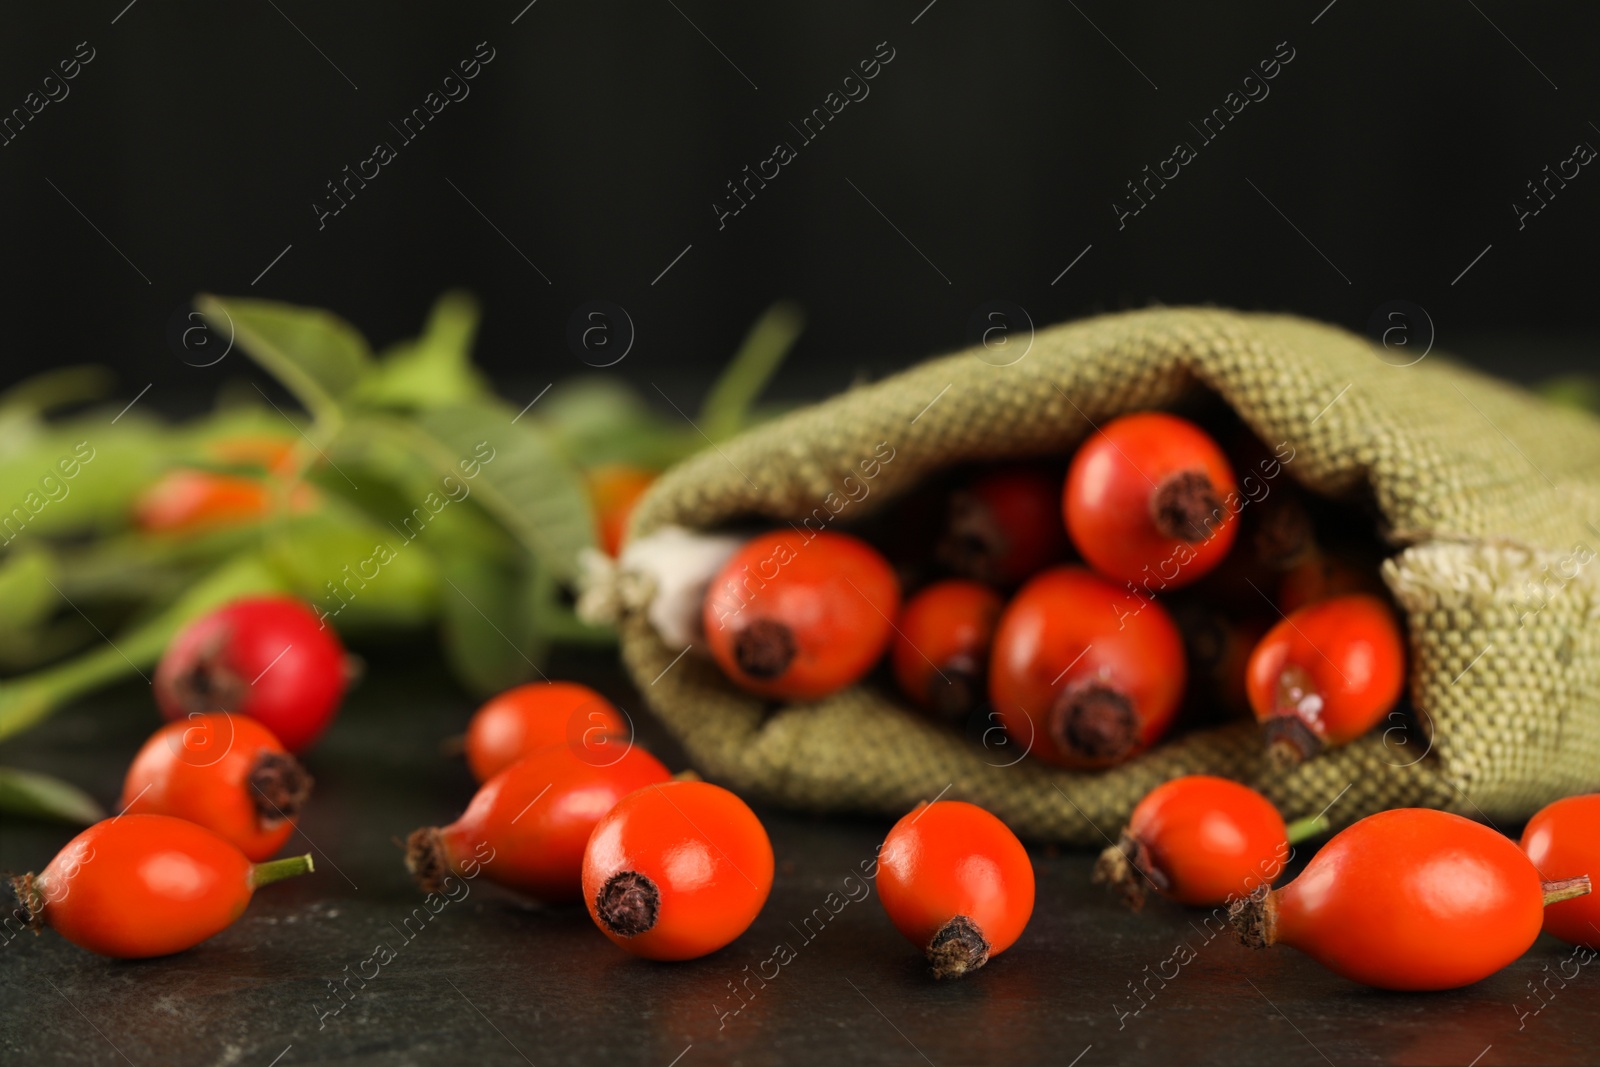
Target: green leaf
[[434, 369], [57, 388], [28, 793], [490, 636], [364, 574], [78, 475], [727, 407], [516, 474], [32, 697], [599, 419], [316, 355], [25, 590]]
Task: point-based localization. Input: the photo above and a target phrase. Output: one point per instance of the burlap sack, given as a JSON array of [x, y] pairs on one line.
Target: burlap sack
[[1490, 497]]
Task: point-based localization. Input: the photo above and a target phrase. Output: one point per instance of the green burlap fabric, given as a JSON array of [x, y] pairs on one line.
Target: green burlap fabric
[[1490, 498]]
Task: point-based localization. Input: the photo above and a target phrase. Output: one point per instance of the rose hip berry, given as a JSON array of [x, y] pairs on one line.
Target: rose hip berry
[[1147, 500], [224, 772], [145, 885], [534, 819], [957, 883], [797, 619], [185, 501], [1199, 840], [1411, 899], [1004, 525], [1563, 841], [614, 490], [1085, 672], [1325, 675], [266, 657], [677, 870], [940, 653], [530, 717]]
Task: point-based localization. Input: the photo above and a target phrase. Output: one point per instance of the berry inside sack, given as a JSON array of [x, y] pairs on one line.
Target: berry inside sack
[[1477, 503]]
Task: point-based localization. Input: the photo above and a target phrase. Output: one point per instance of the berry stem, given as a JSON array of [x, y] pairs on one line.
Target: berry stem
[[1307, 828], [277, 870], [1565, 889]]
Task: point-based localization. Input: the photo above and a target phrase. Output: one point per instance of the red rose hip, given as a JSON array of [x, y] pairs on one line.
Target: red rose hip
[[957, 883], [1325, 675], [1085, 673], [1005, 525], [523, 720], [527, 827], [1147, 501], [797, 618], [1411, 899], [146, 885], [1563, 841], [266, 657], [940, 653], [224, 772]]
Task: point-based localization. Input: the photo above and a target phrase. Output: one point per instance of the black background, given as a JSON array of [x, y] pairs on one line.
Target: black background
[[598, 138]]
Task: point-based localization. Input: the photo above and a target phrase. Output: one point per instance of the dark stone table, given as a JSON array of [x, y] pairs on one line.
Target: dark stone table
[[490, 980]]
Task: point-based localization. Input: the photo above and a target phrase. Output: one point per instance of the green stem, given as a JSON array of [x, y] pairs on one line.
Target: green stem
[[277, 870], [35, 696], [1309, 827]]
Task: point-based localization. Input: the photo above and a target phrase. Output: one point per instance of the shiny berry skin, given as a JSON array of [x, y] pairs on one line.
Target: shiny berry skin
[[957, 883], [528, 825], [224, 772], [1410, 899], [1151, 499], [1198, 840], [941, 646], [1325, 675], [1563, 841], [146, 885], [1085, 673], [614, 490], [677, 870], [797, 619], [1005, 525], [523, 720], [267, 657]]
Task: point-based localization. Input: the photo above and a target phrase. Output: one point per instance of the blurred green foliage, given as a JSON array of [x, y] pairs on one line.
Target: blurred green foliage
[[432, 502]]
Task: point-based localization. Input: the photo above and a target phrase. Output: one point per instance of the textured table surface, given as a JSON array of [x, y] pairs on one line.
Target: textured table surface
[[489, 980]]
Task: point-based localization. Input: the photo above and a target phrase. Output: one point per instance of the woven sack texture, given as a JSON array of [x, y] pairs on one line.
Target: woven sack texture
[[1488, 495]]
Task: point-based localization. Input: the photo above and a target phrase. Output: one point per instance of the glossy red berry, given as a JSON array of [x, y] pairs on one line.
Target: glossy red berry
[[224, 772], [1198, 840], [1411, 899], [1151, 499], [526, 828], [530, 717], [1563, 841], [1005, 525], [941, 647], [957, 883], [677, 870], [1085, 673], [266, 657], [797, 617], [1326, 674], [145, 885]]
